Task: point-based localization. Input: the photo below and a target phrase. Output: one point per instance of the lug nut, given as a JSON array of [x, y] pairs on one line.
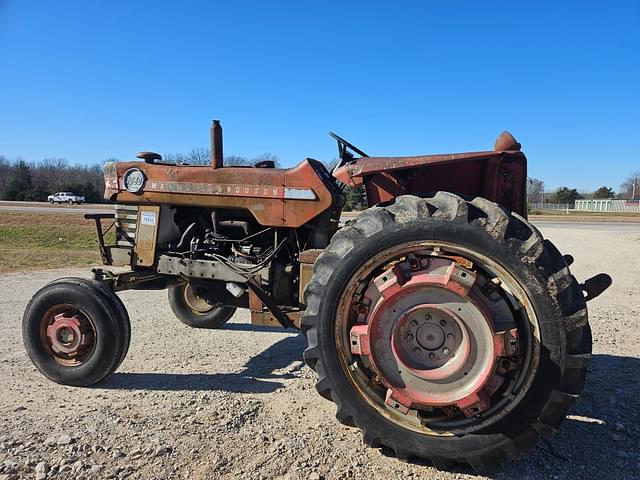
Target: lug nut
[[416, 350], [432, 356], [450, 336], [409, 336], [443, 322], [446, 351], [414, 323], [427, 317]]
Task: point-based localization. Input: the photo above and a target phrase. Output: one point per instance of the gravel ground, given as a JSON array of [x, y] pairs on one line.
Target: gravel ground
[[238, 402]]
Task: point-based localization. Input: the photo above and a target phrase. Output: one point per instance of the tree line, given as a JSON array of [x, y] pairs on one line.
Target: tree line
[[629, 190], [34, 181]]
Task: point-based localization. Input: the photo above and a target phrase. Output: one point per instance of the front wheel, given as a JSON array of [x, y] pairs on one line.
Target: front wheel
[[446, 329], [76, 332], [196, 311]]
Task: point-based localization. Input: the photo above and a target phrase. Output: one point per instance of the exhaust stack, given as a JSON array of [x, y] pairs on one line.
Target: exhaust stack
[[216, 144]]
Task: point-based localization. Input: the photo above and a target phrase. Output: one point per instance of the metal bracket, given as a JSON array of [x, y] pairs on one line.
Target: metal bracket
[[595, 285], [279, 315]]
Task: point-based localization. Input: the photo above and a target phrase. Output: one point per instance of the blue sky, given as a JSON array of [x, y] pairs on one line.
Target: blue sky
[[92, 80]]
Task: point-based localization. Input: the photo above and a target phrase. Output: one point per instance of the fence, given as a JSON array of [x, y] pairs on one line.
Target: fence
[[608, 205], [555, 207]]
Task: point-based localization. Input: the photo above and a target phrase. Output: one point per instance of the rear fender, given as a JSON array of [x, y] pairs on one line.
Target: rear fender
[[499, 175]]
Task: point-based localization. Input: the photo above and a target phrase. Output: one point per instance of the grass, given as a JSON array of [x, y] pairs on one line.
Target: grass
[[32, 241]]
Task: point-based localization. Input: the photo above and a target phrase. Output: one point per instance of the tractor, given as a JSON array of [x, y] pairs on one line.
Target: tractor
[[439, 320]]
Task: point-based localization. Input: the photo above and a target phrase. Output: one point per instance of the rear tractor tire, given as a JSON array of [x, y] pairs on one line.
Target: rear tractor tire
[[196, 311], [76, 331], [447, 330]]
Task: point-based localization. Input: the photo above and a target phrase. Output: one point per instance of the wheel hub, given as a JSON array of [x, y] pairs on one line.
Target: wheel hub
[[197, 304], [429, 341], [68, 335], [426, 338]]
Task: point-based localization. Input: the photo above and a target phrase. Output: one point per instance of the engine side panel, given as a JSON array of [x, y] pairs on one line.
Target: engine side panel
[[275, 197]]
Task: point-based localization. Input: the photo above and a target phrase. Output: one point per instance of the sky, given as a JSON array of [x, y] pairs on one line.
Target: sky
[[88, 81]]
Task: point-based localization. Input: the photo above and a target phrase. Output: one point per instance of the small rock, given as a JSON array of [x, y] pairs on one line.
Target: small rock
[[96, 468], [68, 460], [41, 470], [77, 466], [64, 439], [314, 476], [162, 450], [114, 472], [136, 452], [117, 453], [51, 440]]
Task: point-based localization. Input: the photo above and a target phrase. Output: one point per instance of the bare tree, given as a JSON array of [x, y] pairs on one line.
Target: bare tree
[[176, 158], [630, 188], [199, 156], [5, 173], [535, 190], [236, 161]]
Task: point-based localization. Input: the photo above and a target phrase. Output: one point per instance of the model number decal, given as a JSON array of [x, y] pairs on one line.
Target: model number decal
[[148, 218]]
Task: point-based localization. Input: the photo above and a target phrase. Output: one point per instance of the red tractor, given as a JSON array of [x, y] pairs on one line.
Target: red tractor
[[439, 321]]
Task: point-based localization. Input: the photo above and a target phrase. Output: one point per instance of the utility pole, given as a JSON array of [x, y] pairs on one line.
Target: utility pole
[[633, 189]]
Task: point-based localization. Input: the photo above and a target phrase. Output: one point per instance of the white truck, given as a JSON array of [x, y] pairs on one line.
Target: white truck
[[65, 197]]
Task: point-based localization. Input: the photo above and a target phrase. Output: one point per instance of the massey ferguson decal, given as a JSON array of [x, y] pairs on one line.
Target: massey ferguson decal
[[216, 189], [232, 189]]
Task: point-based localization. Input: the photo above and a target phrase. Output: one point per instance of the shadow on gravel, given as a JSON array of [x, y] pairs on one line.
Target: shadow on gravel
[[281, 361], [600, 439], [248, 327]]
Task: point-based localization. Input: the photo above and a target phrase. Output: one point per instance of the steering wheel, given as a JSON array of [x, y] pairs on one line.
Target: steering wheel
[[343, 146]]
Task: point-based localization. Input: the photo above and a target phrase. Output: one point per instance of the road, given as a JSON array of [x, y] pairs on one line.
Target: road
[[587, 225], [44, 207]]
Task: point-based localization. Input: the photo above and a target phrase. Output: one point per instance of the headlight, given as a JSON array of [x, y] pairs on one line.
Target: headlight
[[134, 180]]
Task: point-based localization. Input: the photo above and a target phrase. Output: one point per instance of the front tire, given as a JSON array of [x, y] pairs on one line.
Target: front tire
[[76, 331], [196, 311], [516, 298]]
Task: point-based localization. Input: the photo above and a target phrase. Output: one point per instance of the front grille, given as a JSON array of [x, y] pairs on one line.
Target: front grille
[[126, 219]]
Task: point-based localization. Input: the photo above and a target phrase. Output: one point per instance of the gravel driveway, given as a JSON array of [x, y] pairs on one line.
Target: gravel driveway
[[238, 402]]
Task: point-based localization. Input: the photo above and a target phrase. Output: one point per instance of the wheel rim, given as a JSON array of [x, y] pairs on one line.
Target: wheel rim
[[196, 304], [68, 335], [437, 338]]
